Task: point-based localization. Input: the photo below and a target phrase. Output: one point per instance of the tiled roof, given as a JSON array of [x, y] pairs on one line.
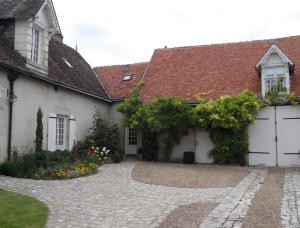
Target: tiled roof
[[67, 66], [78, 75], [19, 8], [112, 78], [213, 70], [9, 56]]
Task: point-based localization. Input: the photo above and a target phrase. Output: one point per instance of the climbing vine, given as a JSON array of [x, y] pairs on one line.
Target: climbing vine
[[169, 118], [227, 119]]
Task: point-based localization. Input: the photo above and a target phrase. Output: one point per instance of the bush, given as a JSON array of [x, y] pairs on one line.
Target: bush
[[7, 169], [104, 134]]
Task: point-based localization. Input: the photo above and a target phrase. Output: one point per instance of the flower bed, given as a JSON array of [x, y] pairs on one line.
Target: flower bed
[[55, 165], [75, 170]]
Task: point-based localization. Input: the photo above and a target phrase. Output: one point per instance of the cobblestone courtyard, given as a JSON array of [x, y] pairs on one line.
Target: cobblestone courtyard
[[112, 198]]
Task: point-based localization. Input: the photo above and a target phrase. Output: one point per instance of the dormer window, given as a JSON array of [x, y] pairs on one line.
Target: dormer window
[[127, 77], [35, 48], [275, 68], [67, 62], [276, 79]]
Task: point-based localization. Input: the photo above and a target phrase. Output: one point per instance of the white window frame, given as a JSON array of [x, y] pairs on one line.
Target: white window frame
[[62, 132], [36, 45], [132, 137], [272, 73]]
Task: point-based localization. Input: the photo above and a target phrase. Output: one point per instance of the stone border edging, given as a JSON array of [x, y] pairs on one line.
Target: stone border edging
[[233, 209]]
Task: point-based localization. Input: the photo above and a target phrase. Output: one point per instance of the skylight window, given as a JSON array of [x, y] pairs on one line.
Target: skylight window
[[127, 77], [67, 62]]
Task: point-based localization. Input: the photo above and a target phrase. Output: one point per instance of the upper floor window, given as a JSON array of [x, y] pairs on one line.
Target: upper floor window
[[35, 48], [275, 68], [276, 80]]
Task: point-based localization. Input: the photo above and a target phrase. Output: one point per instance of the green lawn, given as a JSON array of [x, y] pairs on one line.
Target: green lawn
[[17, 210]]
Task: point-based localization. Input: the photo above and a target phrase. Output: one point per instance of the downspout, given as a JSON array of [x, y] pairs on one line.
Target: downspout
[[11, 78]]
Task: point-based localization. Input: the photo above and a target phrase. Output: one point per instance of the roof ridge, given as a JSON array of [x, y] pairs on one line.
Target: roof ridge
[[122, 65], [228, 43]]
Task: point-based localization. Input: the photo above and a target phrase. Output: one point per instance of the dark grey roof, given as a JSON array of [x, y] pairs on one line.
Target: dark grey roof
[[19, 8], [9, 56], [75, 74], [67, 66]]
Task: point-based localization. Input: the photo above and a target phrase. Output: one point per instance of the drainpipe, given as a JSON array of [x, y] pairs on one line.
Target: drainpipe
[[12, 77]]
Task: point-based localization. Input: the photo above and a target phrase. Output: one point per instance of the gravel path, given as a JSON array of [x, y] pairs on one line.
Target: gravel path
[[266, 206], [189, 176], [188, 216]]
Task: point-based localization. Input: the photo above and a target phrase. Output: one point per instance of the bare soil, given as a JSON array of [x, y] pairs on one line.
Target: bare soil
[[189, 176], [266, 206], [188, 216]]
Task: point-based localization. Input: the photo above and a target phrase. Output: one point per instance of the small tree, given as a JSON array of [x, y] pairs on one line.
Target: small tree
[[39, 131]]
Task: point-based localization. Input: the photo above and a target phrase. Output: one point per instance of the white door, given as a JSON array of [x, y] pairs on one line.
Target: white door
[[288, 134], [262, 135], [131, 141], [203, 147]]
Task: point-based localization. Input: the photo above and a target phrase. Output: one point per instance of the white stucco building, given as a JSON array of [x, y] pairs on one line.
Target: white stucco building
[[38, 70]]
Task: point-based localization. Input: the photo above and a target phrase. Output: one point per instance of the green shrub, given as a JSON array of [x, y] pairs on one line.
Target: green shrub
[[39, 131], [104, 134], [227, 119], [25, 166], [7, 169]]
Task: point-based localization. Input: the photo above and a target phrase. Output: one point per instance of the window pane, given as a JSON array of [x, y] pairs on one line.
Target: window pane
[[132, 136]]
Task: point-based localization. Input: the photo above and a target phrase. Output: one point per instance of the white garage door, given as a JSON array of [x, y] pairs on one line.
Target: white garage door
[[262, 134], [288, 134], [274, 138]]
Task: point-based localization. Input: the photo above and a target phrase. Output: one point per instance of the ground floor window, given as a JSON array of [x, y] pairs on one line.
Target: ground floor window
[[61, 132], [132, 136]]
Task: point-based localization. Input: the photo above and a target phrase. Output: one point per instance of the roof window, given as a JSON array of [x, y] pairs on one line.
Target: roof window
[[127, 77], [67, 62]]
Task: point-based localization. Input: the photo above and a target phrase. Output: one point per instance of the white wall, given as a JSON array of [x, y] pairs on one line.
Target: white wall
[[197, 141], [23, 40], [32, 93], [187, 143], [4, 103]]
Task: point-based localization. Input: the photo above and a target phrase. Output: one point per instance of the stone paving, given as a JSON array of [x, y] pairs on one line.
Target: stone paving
[[290, 210], [233, 208], [110, 198]]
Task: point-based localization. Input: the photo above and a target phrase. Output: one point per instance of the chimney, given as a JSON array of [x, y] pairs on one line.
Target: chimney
[[58, 37]]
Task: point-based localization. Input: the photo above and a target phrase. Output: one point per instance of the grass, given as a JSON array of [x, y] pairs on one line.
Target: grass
[[17, 210]]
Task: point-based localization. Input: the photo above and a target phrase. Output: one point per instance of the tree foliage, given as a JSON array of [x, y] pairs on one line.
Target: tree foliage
[[169, 117], [227, 119], [39, 131]]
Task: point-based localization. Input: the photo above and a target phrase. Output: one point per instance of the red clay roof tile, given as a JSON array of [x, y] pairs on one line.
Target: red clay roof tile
[[112, 78], [213, 70]]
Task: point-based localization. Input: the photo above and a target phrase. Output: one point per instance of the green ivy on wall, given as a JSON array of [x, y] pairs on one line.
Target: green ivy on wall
[[225, 118]]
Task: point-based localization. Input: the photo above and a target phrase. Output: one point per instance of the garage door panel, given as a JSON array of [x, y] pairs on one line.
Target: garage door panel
[[288, 132], [262, 146]]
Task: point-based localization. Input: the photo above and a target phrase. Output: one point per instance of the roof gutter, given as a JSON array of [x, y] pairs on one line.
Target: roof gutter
[[43, 78]]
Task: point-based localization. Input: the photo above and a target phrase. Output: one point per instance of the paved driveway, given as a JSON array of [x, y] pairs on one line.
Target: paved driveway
[[112, 198]]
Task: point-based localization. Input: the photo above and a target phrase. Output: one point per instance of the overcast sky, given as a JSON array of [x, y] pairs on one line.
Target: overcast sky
[[112, 32]]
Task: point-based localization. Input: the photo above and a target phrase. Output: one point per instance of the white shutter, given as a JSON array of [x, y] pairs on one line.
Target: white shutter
[[52, 132], [72, 132]]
